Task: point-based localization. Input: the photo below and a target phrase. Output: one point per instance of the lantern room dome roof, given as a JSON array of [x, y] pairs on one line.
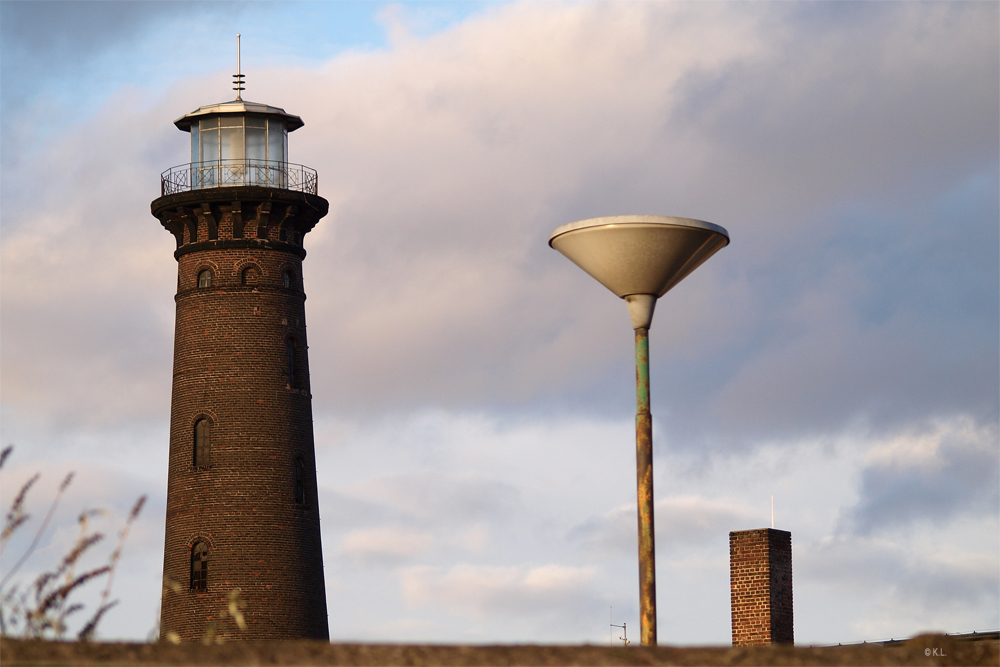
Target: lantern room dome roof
[[292, 122]]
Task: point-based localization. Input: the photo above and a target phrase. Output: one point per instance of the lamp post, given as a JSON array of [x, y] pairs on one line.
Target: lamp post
[[639, 258]]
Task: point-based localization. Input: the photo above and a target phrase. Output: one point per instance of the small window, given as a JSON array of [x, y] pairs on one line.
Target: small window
[[199, 566], [290, 359], [288, 279], [251, 275], [300, 488], [202, 443], [205, 278]]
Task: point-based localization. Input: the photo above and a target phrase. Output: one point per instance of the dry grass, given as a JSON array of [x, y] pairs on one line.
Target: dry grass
[[40, 610]]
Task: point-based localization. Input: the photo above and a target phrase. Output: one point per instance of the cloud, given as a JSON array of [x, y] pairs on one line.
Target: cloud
[[681, 522], [70, 256], [931, 475], [948, 578], [426, 496], [461, 298], [487, 590], [385, 545], [449, 159]]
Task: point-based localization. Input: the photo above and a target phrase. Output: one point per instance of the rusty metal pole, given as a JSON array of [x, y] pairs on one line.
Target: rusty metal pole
[[644, 478], [639, 258]]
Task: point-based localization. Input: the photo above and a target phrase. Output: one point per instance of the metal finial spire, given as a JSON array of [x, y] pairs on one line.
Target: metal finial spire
[[238, 77]]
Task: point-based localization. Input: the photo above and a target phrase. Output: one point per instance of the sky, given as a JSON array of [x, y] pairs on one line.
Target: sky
[[472, 389]]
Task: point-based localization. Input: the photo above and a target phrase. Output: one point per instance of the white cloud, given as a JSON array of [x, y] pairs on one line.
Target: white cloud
[[923, 448], [385, 545], [429, 495], [680, 522], [942, 580], [449, 159], [475, 539], [486, 590], [929, 474]]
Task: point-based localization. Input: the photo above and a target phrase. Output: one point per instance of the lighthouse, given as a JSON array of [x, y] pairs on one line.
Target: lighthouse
[[242, 517]]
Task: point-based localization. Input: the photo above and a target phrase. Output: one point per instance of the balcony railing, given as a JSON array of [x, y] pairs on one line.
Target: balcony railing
[[227, 173]]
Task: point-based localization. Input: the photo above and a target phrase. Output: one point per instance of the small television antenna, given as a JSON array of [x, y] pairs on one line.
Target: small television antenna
[[772, 512], [624, 636], [238, 77]]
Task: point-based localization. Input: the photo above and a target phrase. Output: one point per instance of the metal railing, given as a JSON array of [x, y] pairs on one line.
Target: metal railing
[[227, 173]]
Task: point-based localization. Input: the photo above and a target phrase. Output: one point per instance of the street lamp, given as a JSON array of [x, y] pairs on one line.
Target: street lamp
[[639, 258]]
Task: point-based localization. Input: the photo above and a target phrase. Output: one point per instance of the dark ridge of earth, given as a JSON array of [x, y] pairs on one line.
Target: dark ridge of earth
[[921, 650]]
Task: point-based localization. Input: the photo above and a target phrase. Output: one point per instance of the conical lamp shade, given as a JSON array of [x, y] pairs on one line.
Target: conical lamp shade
[[639, 254]]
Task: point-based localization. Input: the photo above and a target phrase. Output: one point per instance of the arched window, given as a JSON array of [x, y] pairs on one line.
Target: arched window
[[205, 278], [288, 279], [202, 443], [199, 566], [251, 275], [290, 359], [300, 486]]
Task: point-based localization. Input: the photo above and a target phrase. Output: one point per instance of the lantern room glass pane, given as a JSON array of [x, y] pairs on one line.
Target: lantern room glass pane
[[257, 172], [195, 144], [232, 170], [256, 144], [209, 145], [232, 146], [277, 154], [205, 175], [276, 141]]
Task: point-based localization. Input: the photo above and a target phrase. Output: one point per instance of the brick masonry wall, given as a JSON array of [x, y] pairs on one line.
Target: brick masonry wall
[[230, 367], [760, 576]]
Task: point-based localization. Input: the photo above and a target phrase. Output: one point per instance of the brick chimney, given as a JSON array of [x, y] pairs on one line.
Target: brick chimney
[[760, 578]]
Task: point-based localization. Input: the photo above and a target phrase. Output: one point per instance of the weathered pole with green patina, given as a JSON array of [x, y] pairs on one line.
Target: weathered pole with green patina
[[639, 258], [644, 480]]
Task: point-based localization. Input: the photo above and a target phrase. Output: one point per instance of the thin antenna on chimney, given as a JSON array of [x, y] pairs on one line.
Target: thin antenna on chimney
[[238, 77], [772, 510]]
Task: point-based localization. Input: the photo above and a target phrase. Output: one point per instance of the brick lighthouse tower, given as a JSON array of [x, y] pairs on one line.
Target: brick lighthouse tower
[[242, 507]]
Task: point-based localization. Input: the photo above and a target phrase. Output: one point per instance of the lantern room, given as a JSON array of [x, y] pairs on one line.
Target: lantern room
[[239, 143]]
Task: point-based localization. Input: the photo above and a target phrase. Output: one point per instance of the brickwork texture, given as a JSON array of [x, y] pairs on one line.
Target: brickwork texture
[[760, 577], [241, 363]]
